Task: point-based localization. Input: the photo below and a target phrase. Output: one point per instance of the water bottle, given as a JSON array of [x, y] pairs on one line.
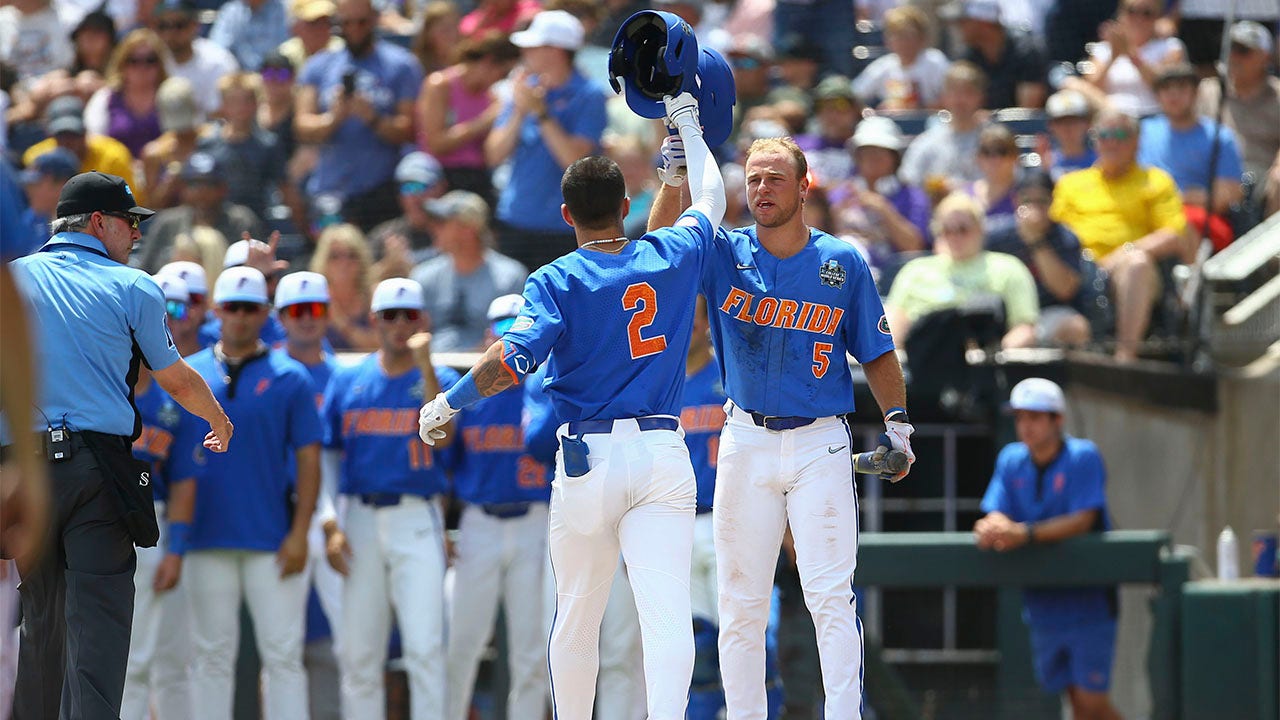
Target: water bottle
[[1228, 558]]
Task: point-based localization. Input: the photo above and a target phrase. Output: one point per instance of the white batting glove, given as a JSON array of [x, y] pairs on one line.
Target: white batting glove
[[432, 417], [899, 436], [673, 169], [682, 111]]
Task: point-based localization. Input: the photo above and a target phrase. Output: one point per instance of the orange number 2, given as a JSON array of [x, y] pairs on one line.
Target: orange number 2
[[820, 359], [643, 301]]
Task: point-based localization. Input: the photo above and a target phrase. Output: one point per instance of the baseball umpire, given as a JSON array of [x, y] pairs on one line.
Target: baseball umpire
[[614, 316], [96, 319]]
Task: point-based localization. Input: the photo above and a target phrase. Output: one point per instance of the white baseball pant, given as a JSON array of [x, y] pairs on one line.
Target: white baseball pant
[[765, 478], [499, 558], [620, 683], [160, 642], [216, 581], [327, 582], [637, 497], [702, 577], [397, 562]]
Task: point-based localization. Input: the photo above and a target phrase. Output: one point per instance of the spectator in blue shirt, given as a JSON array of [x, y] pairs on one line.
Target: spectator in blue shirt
[[1069, 113], [556, 116], [251, 30], [357, 104], [1048, 487]]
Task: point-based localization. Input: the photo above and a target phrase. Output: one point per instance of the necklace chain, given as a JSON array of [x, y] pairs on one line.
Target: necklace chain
[[624, 240]]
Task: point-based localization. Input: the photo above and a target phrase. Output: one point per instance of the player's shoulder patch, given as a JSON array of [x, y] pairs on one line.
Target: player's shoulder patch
[[832, 273], [883, 325], [524, 322]]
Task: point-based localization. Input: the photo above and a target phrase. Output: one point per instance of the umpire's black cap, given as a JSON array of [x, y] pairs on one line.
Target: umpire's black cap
[[98, 192]]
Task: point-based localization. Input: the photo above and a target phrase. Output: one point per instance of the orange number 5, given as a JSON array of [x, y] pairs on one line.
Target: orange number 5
[[820, 360], [643, 301]]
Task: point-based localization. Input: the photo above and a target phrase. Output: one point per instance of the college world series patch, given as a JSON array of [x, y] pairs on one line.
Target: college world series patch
[[831, 274]]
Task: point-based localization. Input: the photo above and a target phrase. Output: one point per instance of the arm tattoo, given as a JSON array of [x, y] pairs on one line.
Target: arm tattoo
[[491, 374]]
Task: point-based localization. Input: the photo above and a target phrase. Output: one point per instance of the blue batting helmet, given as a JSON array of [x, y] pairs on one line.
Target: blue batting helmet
[[654, 53], [716, 95]]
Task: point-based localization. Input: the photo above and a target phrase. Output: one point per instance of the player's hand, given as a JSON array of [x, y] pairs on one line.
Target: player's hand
[[292, 554], [168, 573], [672, 170], [262, 255], [433, 417], [218, 438], [450, 550], [682, 111], [337, 551], [898, 435], [420, 346]]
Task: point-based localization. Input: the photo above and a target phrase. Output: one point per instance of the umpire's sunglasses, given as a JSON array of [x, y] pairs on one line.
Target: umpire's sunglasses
[[396, 313], [176, 309], [305, 309], [133, 220]]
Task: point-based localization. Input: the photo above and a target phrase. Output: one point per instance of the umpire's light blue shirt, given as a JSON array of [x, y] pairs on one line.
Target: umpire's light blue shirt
[[87, 312]]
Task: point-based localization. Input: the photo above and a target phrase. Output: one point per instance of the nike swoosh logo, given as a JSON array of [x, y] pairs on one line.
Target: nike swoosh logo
[[746, 267], [834, 450]]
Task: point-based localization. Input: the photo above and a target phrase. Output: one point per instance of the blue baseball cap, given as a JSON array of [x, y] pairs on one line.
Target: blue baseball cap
[[59, 164]]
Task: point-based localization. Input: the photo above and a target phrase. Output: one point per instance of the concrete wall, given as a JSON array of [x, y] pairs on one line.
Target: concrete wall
[[1188, 472]]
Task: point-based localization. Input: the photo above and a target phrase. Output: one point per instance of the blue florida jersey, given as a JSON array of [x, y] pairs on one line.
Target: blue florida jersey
[[319, 373], [616, 326], [163, 422], [373, 419], [702, 418], [1075, 480], [243, 495], [782, 328], [488, 459]]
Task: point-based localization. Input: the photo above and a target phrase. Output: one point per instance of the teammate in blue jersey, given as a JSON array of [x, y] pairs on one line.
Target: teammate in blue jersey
[[787, 304], [160, 641], [612, 319], [247, 542], [502, 543], [186, 329], [390, 542]]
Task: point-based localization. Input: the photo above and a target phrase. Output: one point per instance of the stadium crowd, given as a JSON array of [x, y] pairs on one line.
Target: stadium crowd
[[980, 153]]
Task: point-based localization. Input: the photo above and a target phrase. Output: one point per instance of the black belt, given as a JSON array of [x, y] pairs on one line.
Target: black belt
[[779, 422], [602, 427], [380, 500], [506, 511], [703, 509]]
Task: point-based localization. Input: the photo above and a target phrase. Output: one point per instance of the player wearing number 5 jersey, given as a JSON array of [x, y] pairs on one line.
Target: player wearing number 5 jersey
[[787, 303], [614, 318], [390, 543]]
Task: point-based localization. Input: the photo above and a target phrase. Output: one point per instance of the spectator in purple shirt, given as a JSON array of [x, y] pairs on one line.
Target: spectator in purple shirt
[[126, 108], [836, 112]]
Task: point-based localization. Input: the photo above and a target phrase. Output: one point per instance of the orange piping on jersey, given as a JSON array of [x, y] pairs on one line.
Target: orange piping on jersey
[[514, 377]]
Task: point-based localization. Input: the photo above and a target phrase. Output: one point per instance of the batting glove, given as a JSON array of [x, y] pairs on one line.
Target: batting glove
[[433, 416], [898, 433], [673, 170], [682, 111]]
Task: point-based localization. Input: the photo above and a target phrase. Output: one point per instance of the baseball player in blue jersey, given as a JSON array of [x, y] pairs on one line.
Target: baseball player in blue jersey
[[612, 319], [787, 304], [186, 330], [160, 641], [502, 543], [246, 542], [390, 543]]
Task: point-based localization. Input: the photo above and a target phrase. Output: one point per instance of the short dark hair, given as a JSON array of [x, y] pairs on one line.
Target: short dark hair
[[593, 190]]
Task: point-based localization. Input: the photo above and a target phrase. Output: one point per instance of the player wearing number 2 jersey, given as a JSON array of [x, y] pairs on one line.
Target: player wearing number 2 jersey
[[614, 318], [787, 303]]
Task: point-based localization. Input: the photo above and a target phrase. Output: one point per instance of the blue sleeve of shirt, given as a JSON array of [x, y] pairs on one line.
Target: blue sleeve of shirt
[[1230, 167], [1089, 478], [312, 72], [150, 329], [222, 31], [331, 409], [694, 239], [447, 377], [997, 499], [866, 330], [540, 324], [188, 448], [408, 80], [304, 419], [589, 116]]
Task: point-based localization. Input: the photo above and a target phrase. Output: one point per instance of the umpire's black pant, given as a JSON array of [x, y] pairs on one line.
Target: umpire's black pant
[[77, 602]]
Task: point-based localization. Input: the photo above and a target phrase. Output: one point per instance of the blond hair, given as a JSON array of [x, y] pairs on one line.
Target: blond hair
[[204, 246], [249, 82], [965, 73], [962, 203], [906, 18], [141, 37], [348, 236], [784, 145]]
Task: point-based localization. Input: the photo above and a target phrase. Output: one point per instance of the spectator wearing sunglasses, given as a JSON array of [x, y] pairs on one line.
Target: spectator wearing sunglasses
[[250, 29], [403, 242], [998, 162], [126, 107], [197, 59], [1015, 63], [1129, 217], [186, 329], [249, 538], [467, 275], [343, 258]]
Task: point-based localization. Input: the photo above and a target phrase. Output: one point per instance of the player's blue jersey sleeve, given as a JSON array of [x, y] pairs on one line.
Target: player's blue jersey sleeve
[[693, 235], [541, 323], [304, 420], [866, 329], [1089, 476], [997, 498]]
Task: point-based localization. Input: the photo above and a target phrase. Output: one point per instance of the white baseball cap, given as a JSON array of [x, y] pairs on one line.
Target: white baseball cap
[[1251, 35], [238, 252], [551, 28], [240, 284], [879, 131], [1037, 395], [1067, 103], [985, 10], [503, 312], [173, 287], [397, 294], [301, 287], [191, 273]]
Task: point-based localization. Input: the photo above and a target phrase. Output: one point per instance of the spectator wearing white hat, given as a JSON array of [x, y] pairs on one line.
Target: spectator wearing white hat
[[248, 541], [556, 116], [1047, 487], [1070, 113], [467, 275], [405, 241]]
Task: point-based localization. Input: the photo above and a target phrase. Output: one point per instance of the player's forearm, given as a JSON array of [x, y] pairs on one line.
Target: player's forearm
[[1062, 527], [666, 208], [491, 375], [706, 185], [884, 377], [330, 471], [308, 487], [181, 505], [431, 388]]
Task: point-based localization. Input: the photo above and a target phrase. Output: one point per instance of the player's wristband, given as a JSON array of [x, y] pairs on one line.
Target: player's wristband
[[896, 414], [179, 537], [1031, 533], [463, 393]]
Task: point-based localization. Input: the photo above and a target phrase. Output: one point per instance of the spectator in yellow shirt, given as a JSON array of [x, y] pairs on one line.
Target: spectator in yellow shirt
[[961, 272], [64, 124], [1130, 218]]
